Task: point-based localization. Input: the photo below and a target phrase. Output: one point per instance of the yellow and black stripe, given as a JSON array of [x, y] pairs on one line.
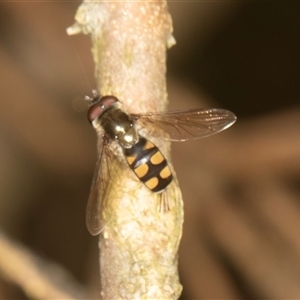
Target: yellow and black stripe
[[149, 165]]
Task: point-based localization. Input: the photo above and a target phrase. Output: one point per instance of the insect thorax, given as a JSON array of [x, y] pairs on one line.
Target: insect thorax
[[118, 126]]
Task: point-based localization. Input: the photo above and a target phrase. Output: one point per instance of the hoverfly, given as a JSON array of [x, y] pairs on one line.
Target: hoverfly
[[144, 158]]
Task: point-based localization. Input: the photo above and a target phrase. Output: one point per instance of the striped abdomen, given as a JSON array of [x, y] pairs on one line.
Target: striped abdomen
[[149, 165]]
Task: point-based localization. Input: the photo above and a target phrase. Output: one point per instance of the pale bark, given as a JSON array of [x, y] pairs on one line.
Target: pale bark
[[138, 247]]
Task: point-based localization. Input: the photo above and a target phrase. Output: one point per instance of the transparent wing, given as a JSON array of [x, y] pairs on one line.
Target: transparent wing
[[98, 191], [188, 124]]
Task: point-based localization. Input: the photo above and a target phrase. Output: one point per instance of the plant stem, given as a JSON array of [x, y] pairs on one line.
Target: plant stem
[[139, 244]]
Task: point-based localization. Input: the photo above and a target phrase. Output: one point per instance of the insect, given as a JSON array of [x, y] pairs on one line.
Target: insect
[[144, 158]]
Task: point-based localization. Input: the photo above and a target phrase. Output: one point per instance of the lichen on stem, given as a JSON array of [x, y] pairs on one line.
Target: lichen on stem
[[138, 257]]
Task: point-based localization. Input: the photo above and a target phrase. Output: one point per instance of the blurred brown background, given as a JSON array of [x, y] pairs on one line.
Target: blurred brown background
[[241, 188]]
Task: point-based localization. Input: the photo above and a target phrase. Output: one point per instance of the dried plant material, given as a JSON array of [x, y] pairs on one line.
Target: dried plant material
[[39, 279]]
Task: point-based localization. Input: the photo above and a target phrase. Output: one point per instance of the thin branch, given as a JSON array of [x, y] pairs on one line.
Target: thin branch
[[38, 279], [139, 244]]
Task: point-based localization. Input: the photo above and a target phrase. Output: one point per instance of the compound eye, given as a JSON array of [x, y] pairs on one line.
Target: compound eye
[[99, 106], [94, 112], [108, 101]]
